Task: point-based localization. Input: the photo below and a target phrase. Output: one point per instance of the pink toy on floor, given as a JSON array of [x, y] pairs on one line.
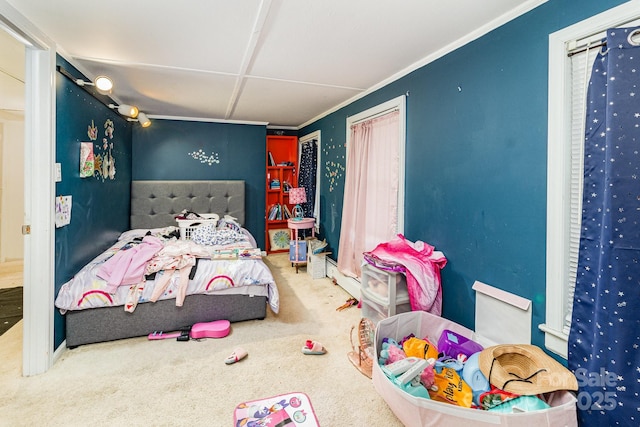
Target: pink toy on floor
[[215, 329], [313, 347], [237, 355]]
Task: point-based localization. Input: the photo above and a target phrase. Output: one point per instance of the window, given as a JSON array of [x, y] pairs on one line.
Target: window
[[373, 208], [571, 54]]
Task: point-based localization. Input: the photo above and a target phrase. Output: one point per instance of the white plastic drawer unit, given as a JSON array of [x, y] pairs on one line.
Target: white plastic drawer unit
[[376, 312], [384, 290]]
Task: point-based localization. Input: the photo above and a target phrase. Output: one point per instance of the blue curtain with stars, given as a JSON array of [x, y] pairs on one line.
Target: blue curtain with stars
[[307, 176], [604, 339]]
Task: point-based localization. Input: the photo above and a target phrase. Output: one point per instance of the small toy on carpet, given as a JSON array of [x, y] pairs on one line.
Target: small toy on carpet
[[349, 303], [313, 348], [237, 355]]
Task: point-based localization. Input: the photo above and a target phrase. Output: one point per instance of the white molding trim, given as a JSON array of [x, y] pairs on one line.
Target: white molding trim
[[558, 161], [350, 284], [205, 119], [40, 114]]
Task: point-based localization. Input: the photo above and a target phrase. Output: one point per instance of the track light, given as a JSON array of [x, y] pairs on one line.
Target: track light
[[142, 119], [103, 84], [125, 110]]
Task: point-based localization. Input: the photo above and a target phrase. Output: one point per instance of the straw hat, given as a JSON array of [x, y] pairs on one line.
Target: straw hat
[[524, 369]]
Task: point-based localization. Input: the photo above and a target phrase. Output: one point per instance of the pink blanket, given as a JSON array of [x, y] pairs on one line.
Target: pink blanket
[[421, 266]]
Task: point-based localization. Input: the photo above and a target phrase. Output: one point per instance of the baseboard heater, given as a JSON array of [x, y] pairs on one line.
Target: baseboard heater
[[349, 284]]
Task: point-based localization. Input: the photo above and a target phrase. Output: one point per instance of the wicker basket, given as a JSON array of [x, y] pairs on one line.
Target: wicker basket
[[188, 225]]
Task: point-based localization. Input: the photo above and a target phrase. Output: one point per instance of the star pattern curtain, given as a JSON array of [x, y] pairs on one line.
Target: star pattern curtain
[[604, 341], [307, 177]]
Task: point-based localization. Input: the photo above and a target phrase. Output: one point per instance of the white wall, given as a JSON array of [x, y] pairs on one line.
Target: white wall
[[11, 186]]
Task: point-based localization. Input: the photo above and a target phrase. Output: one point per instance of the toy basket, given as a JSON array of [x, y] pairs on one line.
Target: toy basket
[[415, 411], [188, 225]]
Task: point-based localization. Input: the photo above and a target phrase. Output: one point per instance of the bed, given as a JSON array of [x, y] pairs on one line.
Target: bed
[[229, 281]]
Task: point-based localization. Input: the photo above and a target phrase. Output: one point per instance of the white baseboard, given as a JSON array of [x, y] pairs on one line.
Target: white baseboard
[[349, 284], [59, 351]]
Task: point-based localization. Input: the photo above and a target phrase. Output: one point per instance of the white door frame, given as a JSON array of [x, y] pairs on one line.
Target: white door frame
[[39, 190]]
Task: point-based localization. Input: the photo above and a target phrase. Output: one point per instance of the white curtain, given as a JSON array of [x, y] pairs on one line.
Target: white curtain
[[370, 206]]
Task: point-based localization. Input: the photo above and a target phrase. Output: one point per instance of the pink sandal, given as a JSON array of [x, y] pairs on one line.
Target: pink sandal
[[237, 355], [313, 347]]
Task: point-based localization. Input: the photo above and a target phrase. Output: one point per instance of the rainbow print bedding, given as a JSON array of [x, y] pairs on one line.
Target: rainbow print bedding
[[145, 266]]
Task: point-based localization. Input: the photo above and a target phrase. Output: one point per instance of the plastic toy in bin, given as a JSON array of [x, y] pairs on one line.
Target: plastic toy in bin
[[454, 345]]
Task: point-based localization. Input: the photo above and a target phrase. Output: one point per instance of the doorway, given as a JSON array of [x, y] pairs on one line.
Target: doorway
[[12, 87], [37, 216]]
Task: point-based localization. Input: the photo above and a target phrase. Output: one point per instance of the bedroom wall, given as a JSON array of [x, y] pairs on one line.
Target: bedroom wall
[[101, 203], [11, 185], [475, 160], [190, 150]]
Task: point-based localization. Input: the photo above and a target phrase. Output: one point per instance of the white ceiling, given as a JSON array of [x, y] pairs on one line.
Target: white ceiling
[[285, 62]]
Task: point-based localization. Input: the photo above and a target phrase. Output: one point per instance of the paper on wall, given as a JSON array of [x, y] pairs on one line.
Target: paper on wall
[[86, 159], [63, 211]]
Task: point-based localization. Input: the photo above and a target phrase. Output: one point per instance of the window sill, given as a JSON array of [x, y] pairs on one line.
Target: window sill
[[554, 340]]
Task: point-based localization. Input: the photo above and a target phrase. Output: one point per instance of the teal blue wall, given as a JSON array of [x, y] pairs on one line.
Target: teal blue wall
[[476, 155], [164, 152], [100, 210]]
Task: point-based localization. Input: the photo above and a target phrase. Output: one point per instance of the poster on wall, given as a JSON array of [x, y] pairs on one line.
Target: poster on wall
[[86, 159], [63, 211]]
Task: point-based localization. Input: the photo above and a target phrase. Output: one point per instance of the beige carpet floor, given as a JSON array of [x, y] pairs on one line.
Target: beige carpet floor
[[136, 382]]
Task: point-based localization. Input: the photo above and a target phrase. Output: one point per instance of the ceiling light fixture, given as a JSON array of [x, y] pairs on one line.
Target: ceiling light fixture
[[103, 84], [142, 119], [125, 110]]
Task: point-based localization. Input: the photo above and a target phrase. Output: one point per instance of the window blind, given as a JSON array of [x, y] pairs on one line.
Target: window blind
[[581, 65]]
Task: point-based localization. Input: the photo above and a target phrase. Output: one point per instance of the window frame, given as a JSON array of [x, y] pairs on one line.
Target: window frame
[[559, 145]]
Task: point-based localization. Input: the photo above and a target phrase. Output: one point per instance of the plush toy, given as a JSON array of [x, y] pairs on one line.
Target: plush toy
[[427, 377], [394, 354], [391, 352]]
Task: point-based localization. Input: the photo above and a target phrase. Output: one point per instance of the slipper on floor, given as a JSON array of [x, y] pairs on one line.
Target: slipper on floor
[[313, 347], [237, 355]]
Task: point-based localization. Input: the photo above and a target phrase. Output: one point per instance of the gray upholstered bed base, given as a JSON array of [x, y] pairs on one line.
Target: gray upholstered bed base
[[113, 323], [155, 204]]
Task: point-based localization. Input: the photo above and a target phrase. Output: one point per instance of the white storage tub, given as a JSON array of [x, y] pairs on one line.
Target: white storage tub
[[188, 225], [418, 411]]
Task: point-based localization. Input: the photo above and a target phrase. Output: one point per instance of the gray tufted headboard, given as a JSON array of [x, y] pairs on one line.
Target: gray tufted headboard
[[156, 203]]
